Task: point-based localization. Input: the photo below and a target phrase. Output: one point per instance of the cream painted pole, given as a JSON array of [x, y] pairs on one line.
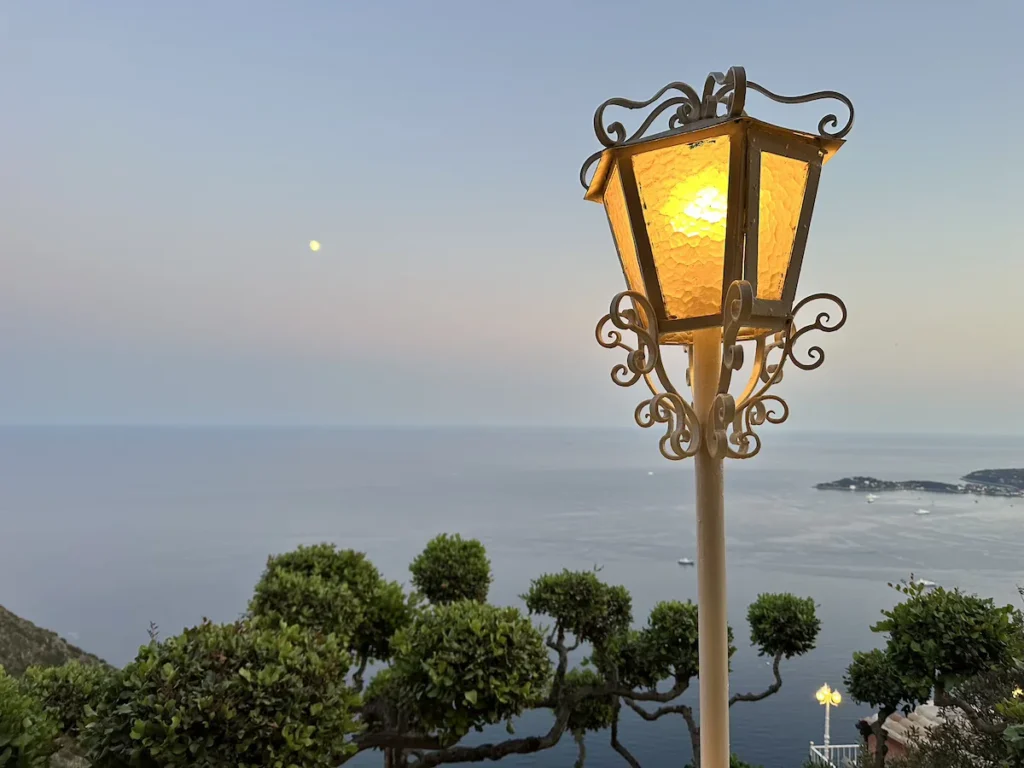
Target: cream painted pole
[[713, 641]]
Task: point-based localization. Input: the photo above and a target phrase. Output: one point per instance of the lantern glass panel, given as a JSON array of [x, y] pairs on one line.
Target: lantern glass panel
[[783, 187], [684, 191], [618, 218]]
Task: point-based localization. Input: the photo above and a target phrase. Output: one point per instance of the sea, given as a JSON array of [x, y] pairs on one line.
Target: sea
[[104, 530]]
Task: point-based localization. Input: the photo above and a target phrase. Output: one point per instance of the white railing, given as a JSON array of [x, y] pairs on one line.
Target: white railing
[[835, 755]]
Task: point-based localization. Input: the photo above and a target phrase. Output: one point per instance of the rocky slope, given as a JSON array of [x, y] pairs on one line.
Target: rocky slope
[[23, 644]]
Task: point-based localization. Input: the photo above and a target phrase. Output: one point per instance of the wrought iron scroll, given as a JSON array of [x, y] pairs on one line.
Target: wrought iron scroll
[[682, 438], [732, 431], [686, 107]]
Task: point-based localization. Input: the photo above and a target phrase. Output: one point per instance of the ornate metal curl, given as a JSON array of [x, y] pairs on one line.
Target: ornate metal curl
[[682, 437], [731, 431], [821, 323], [728, 90]]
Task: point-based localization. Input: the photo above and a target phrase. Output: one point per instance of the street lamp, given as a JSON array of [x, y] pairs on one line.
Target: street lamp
[[710, 220], [828, 699]]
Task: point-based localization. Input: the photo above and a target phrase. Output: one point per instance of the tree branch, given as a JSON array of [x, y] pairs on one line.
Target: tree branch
[[357, 677], [660, 712], [773, 688], [617, 745], [581, 748], [945, 699], [500, 750]]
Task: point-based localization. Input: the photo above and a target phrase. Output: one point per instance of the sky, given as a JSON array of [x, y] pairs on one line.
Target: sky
[[166, 164]]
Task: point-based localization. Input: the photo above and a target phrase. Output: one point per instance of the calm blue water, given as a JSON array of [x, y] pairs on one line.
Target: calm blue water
[[105, 530]]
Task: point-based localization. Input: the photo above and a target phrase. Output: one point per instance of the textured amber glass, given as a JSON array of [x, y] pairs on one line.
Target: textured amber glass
[[783, 183], [615, 205], [684, 190]]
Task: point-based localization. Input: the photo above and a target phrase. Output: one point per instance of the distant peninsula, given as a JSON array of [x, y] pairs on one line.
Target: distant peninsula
[[1007, 483]]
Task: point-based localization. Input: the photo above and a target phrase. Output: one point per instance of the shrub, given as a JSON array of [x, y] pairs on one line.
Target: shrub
[[452, 568], [332, 590], [229, 695], [67, 690], [28, 736], [468, 664]]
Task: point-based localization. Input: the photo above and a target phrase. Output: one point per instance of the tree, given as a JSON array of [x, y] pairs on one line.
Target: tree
[[942, 641], [274, 689], [874, 679], [462, 665]]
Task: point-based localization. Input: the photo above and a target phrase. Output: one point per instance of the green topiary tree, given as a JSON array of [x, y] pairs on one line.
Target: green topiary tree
[[326, 589], [28, 735], [229, 695], [467, 665], [874, 679], [68, 691], [940, 640], [450, 569]]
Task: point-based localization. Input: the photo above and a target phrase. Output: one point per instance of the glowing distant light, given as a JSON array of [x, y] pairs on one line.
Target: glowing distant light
[[314, 245], [825, 695]]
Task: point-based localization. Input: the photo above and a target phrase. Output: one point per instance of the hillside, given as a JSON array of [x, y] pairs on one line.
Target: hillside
[[23, 644], [1009, 478]]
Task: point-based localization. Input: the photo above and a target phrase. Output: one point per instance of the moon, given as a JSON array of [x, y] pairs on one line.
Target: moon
[[314, 245]]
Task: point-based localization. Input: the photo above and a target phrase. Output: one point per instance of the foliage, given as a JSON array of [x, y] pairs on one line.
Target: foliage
[[66, 691], [783, 624], [665, 647], [946, 636], [874, 679], [28, 735], [229, 695], [336, 591], [581, 604], [307, 600], [451, 569], [465, 665], [591, 713]]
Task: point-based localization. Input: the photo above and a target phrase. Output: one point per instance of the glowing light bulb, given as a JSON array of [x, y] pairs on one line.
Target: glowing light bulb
[[697, 207], [314, 245]]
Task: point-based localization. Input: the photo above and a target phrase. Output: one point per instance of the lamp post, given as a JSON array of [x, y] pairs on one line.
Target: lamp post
[[710, 221], [828, 699]]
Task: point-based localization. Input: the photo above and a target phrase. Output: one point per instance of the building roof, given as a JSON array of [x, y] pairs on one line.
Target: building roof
[[904, 728]]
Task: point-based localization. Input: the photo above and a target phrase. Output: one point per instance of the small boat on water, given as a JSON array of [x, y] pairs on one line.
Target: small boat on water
[[685, 561], [923, 512], [872, 498]]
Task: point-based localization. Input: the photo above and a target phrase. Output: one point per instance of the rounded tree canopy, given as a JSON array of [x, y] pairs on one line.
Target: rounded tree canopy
[[466, 665], [947, 635], [783, 624], [452, 568], [336, 591], [581, 604]]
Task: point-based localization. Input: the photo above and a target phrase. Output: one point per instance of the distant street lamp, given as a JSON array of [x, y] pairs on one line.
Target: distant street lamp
[[828, 699], [710, 220]]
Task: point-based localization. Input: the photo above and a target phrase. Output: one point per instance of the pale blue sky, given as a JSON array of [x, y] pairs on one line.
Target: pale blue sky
[[165, 164]]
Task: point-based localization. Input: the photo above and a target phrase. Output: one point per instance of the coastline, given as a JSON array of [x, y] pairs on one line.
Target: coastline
[[1005, 483]]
